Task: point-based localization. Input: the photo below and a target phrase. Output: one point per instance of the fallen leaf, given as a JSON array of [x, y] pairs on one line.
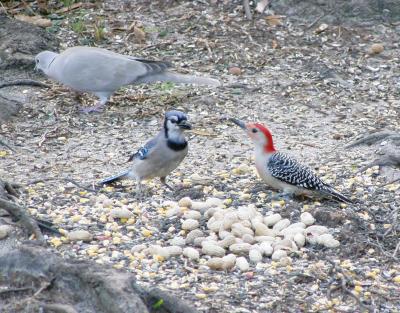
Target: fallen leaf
[[140, 35], [35, 20], [274, 20], [275, 44]]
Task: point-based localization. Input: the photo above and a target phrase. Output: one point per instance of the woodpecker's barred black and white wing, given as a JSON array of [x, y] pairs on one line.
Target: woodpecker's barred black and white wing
[[290, 171]]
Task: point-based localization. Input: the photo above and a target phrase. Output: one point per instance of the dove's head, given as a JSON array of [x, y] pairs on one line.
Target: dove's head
[[44, 59]]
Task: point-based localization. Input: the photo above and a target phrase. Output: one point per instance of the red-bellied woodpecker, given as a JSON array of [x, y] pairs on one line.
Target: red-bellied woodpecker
[[281, 171]]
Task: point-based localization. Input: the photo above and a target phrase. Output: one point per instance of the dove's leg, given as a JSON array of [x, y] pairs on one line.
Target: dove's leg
[[100, 105]]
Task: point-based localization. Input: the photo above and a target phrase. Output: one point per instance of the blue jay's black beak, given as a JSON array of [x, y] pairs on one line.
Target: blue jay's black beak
[[184, 125], [239, 123]]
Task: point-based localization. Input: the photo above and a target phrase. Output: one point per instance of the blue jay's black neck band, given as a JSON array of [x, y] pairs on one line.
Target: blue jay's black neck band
[[176, 146]]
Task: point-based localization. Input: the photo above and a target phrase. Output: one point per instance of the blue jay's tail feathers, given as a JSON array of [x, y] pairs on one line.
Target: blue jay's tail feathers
[[114, 178], [337, 195], [179, 78]]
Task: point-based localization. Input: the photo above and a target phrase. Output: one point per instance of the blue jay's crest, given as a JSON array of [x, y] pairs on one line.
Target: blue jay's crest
[[175, 115]]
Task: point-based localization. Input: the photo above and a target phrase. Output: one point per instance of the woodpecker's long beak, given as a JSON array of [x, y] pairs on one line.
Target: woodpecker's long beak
[[185, 125], [239, 123]]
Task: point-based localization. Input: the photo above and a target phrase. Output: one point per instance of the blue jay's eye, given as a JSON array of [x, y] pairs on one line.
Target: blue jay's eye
[[254, 130], [173, 121]]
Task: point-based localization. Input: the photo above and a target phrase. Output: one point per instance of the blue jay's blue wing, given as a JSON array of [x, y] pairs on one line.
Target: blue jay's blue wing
[[144, 151]]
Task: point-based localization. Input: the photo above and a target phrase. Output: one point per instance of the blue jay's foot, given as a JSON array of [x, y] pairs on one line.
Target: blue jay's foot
[[96, 108], [164, 182]]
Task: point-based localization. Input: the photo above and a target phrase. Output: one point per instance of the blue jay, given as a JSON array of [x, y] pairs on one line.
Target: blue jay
[[159, 156]]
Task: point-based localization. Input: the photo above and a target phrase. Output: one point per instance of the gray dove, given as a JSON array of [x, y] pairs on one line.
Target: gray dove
[[102, 72]]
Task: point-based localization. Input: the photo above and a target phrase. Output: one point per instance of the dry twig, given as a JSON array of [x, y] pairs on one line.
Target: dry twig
[[24, 82]]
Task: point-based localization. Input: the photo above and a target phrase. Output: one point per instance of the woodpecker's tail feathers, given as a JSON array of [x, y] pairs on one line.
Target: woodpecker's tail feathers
[[114, 178], [338, 196], [179, 78]]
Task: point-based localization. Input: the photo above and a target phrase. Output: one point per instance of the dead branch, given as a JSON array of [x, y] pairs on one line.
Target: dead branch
[[66, 179], [24, 82], [247, 11]]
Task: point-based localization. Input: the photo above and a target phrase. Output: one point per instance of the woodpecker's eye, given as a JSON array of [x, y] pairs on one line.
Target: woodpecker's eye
[[254, 130]]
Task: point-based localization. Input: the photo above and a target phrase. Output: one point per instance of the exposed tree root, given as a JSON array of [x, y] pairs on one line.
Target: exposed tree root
[[8, 194], [70, 286]]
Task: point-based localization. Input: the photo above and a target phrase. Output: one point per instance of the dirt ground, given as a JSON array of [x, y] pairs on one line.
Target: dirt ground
[[317, 87]]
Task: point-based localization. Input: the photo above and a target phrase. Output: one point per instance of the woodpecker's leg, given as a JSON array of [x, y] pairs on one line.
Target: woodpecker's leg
[[164, 182], [283, 195]]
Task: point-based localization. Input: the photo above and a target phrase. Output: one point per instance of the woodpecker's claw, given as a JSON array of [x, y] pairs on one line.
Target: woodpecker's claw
[[239, 123]]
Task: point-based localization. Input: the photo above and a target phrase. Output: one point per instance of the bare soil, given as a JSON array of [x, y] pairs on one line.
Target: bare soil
[[318, 88]]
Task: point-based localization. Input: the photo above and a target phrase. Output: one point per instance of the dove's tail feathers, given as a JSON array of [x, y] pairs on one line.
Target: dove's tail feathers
[[179, 78], [338, 196], [114, 178]]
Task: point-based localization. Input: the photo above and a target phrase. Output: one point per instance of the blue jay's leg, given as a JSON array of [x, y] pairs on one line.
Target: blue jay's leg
[[99, 106], [164, 182]]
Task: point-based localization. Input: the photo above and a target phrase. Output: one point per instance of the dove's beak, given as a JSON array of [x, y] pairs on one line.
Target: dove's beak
[[239, 123], [185, 125]]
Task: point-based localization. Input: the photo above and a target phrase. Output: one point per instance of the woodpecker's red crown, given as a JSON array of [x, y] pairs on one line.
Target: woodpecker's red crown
[[261, 135]]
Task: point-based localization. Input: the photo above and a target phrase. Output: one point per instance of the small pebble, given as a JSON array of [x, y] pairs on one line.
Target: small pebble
[[240, 248], [78, 235], [229, 261], [191, 253], [281, 225], [138, 248], [376, 48], [262, 230], [121, 213], [278, 254], [211, 248], [227, 241], [192, 235], [177, 241], [191, 214], [307, 218], [174, 250], [5, 230], [190, 224], [235, 71], [255, 256], [266, 248], [248, 238], [185, 202], [271, 220], [215, 263], [242, 264], [300, 240]]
